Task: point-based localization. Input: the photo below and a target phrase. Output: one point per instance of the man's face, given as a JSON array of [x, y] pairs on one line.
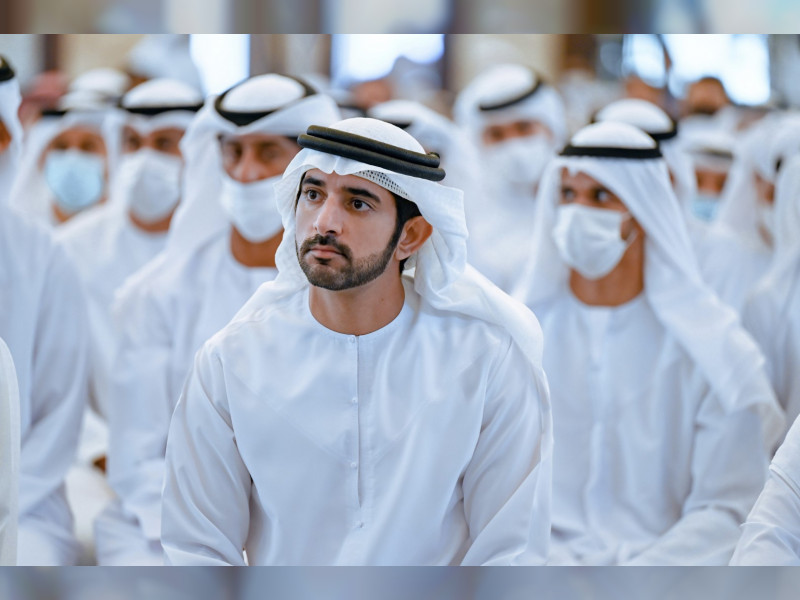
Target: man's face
[[166, 140], [501, 132], [705, 97], [253, 157], [580, 188], [345, 234], [83, 139], [710, 182], [5, 137]]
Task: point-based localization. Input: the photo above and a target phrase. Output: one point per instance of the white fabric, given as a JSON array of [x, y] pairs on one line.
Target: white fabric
[[109, 83], [771, 534], [650, 467], [708, 330], [9, 457], [44, 323], [501, 214], [369, 493], [756, 152], [9, 160], [772, 313], [106, 248], [446, 291], [162, 321]]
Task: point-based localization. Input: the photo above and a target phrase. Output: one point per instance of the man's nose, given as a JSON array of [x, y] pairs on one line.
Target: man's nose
[[249, 168], [329, 217]]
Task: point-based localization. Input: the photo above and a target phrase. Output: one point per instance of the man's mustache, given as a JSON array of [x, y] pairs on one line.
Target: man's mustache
[[325, 240]]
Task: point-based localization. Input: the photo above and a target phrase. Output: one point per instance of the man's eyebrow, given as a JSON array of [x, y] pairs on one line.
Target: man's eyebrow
[[362, 192], [308, 179]]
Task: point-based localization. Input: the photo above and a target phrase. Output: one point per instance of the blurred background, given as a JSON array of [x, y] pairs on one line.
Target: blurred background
[[757, 71], [410, 16]]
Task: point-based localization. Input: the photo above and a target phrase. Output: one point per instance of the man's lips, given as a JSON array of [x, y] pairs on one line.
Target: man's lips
[[324, 252]]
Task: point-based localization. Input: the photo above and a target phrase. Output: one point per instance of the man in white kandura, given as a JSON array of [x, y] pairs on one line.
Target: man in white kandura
[[517, 122], [772, 314], [221, 249], [353, 415], [43, 321], [663, 415]]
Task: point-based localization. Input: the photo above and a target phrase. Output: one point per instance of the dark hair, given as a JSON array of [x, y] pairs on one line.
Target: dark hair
[[406, 210]]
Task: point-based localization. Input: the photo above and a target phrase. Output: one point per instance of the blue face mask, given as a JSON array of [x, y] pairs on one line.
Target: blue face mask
[[76, 178], [705, 207]]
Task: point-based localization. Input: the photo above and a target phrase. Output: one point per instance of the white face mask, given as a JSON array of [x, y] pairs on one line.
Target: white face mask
[[151, 183], [252, 207], [589, 239], [705, 207], [519, 161], [76, 178]]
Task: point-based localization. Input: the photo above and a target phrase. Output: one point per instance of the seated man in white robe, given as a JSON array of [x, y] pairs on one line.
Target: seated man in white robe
[[110, 242], [771, 534], [517, 122], [772, 313], [221, 249], [43, 321], [9, 457], [351, 415], [663, 414]]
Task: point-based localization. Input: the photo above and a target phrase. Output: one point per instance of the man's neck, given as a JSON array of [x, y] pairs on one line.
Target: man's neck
[[621, 285], [360, 310], [250, 254], [160, 226]]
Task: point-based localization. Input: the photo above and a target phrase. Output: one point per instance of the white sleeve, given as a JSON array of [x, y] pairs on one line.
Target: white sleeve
[[59, 385], [508, 483], [771, 535], [729, 467], [140, 408], [9, 457], [205, 510]]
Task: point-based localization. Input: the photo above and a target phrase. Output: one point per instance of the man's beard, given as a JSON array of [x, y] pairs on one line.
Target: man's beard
[[352, 274]]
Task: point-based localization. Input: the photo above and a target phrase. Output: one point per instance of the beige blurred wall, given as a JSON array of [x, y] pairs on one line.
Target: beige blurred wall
[[472, 53], [82, 52]]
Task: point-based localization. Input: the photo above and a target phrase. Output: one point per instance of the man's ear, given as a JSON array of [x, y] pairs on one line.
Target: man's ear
[[416, 232]]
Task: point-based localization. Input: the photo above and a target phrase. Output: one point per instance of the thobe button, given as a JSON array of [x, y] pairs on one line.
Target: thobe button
[[352, 339], [360, 524], [353, 400], [353, 465]]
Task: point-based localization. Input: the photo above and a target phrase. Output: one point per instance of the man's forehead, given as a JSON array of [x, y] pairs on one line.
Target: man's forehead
[[254, 138], [144, 132], [81, 130], [579, 178], [335, 180]]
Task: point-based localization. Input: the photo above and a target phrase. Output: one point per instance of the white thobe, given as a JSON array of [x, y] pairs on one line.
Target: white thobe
[[730, 266], [9, 457], [773, 318], [416, 444], [106, 248], [162, 324], [43, 321], [648, 466], [500, 226], [771, 534]]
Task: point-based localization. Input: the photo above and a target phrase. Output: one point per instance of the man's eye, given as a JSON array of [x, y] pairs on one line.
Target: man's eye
[[602, 196], [567, 194], [360, 205], [311, 194]]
